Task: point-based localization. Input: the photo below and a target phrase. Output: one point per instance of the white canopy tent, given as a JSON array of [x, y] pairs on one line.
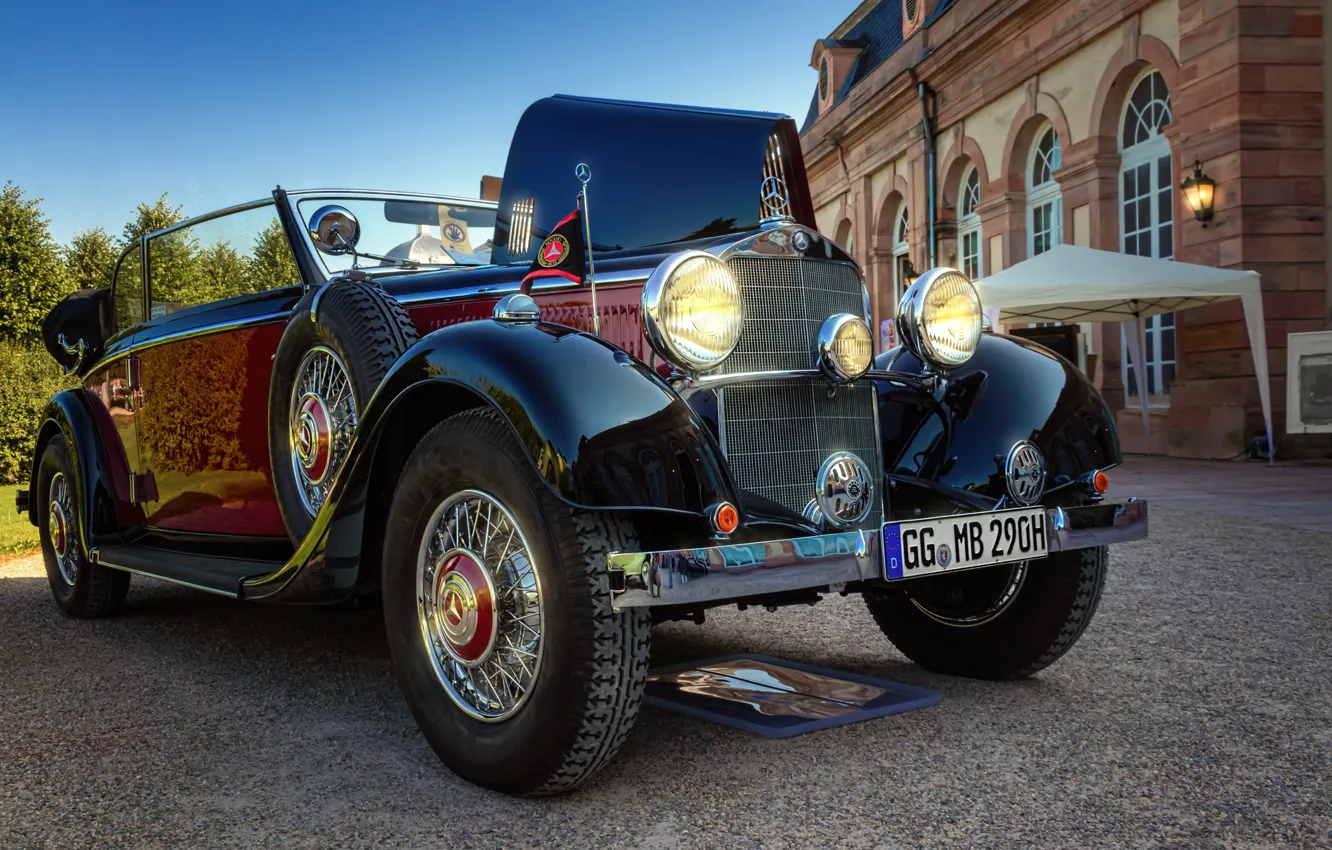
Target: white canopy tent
[[1074, 284]]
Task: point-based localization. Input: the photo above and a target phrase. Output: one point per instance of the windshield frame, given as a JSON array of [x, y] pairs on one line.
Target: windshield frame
[[294, 199]]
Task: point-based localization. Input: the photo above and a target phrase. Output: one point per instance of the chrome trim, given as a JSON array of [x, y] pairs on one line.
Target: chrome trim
[[202, 330], [191, 585], [516, 307], [650, 305], [696, 383], [828, 333], [200, 219], [909, 316], [1130, 523], [831, 490], [464, 293], [80, 348], [740, 570], [689, 575], [1025, 465]]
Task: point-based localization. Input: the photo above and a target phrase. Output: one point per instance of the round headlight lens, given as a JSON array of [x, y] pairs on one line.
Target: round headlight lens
[[845, 347], [940, 318], [693, 310]]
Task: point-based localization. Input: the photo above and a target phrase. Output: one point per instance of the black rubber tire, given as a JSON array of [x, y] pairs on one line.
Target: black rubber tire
[[1051, 611], [369, 331], [594, 661], [97, 591]]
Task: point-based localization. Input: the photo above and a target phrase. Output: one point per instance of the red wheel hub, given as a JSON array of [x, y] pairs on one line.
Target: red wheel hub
[[58, 529], [464, 606], [313, 435]]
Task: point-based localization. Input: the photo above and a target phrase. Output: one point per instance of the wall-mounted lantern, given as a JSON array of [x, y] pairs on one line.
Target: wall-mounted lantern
[[1200, 192], [909, 274]]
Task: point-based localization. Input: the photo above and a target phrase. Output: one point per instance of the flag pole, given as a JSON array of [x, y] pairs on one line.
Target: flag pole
[[584, 175]]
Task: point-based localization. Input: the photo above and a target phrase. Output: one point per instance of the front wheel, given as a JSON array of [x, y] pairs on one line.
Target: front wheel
[[995, 623], [498, 608]]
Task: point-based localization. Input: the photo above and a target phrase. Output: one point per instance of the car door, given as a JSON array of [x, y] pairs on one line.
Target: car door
[[220, 290], [110, 384]]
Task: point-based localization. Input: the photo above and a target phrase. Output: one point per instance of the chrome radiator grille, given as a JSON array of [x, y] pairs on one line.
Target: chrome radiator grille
[[786, 302], [777, 434]]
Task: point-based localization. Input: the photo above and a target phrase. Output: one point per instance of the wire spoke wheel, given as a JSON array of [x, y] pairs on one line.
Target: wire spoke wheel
[[479, 605], [323, 419], [59, 528]]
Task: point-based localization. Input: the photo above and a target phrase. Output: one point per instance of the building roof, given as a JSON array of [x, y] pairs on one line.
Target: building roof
[[880, 30]]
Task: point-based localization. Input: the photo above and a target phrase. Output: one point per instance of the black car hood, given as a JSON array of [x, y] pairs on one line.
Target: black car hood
[[660, 174]]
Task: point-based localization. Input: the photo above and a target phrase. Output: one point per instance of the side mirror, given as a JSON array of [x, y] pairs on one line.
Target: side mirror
[[334, 230]]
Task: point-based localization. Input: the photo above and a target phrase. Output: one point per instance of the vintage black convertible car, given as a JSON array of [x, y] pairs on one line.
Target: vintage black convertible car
[[638, 386]]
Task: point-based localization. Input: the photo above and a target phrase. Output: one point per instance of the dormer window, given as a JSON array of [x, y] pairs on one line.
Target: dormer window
[[913, 15], [835, 60]]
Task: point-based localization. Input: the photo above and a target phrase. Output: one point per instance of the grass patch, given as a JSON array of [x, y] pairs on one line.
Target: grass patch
[[16, 533]]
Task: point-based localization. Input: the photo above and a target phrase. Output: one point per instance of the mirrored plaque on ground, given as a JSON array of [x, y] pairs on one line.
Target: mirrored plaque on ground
[[775, 697]]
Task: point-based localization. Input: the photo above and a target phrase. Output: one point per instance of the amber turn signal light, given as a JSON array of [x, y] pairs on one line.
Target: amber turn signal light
[[725, 518], [1100, 482]]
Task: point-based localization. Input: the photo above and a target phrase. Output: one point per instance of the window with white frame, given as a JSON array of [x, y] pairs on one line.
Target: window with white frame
[[1146, 217], [1045, 209], [901, 251], [968, 225]]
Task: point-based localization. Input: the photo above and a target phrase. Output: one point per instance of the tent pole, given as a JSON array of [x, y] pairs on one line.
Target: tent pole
[[1136, 334]]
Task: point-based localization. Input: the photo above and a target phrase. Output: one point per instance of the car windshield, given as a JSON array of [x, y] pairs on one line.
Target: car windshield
[[427, 233]]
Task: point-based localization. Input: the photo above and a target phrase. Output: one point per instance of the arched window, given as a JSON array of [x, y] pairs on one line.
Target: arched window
[[968, 224], [1045, 209], [1147, 220], [901, 252]]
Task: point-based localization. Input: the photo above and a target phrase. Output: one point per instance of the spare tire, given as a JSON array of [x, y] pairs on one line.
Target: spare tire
[[324, 372]]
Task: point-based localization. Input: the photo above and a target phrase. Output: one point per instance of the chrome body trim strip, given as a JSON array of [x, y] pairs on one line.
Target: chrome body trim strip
[[202, 330], [190, 585], [741, 570], [690, 385], [464, 293], [200, 219]]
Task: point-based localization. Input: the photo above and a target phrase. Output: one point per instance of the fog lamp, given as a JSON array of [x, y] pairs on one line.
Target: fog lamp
[[845, 346]]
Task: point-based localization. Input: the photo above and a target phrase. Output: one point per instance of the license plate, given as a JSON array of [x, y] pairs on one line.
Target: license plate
[[947, 544]]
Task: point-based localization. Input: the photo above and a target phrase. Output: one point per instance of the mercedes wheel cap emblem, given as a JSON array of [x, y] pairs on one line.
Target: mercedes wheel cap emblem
[[774, 196], [845, 489], [1024, 472]]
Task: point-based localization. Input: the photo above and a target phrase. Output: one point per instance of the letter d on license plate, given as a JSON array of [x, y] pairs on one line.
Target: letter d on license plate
[[963, 542]]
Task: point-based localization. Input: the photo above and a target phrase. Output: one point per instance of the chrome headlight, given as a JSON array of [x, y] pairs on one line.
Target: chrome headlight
[[940, 318], [692, 310], [845, 347]]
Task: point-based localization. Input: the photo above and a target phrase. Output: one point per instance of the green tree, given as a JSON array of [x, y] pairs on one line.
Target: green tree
[[32, 271], [272, 265], [173, 258], [149, 217], [90, 258], [222, 273]]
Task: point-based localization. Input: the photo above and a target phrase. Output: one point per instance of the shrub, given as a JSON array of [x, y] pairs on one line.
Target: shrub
[[28, 379]]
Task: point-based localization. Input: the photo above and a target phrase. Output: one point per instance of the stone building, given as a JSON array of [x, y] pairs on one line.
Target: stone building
[[975, 134]]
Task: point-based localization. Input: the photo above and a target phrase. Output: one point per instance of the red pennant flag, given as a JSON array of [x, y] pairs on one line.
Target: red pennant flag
[[563, 254]]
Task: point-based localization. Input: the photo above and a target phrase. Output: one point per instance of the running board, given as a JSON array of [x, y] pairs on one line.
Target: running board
[[222, 576]]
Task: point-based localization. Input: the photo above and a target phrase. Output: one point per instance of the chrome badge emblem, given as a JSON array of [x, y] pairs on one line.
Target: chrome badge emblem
[[800, 241], [845, 489], [1024, 471], [774, 197]]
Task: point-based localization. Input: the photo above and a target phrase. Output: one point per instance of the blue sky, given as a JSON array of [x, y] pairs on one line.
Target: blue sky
[[108, 104]]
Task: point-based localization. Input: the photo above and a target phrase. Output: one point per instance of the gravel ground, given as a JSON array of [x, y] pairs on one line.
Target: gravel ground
[[1195, 711]]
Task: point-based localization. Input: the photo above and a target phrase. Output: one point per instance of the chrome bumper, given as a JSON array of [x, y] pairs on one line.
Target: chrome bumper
[[738, 570]]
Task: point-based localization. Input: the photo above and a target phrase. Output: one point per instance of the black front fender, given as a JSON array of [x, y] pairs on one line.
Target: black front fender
[[944, 452], [601, 429]]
